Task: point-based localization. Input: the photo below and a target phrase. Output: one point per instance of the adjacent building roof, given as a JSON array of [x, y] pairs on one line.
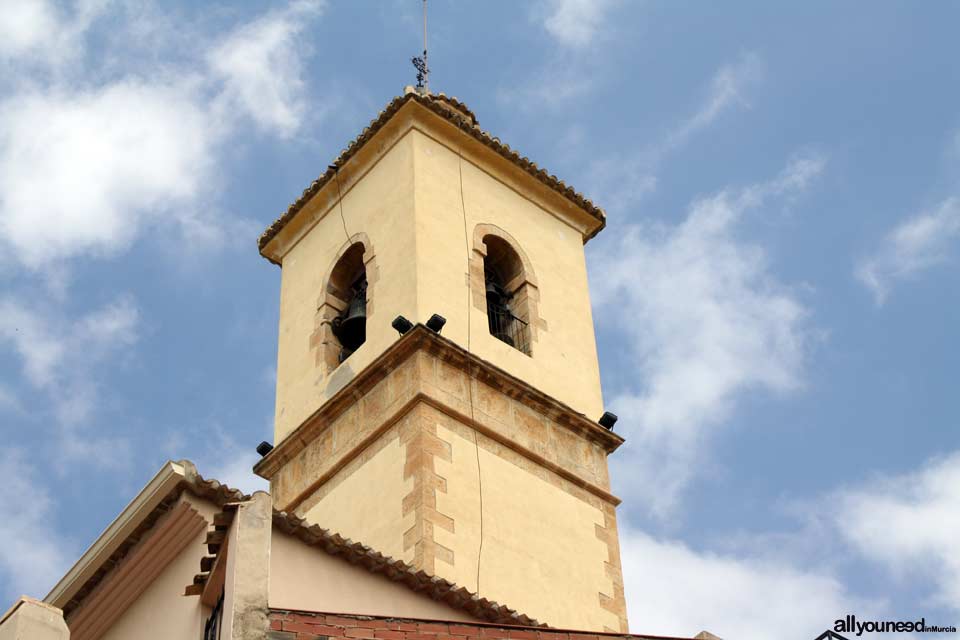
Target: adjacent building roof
[[458, 114], [419, 581], [161, 494], [123, 534]]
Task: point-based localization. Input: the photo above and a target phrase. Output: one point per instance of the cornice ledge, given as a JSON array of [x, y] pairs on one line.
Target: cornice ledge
[[422, 339]]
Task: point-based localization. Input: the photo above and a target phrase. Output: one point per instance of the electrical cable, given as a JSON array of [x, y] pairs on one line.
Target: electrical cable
[[343, 221], [476, 444]]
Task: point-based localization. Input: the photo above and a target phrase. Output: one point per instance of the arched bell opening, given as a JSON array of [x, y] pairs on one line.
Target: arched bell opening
[[347, 294], [504, 282]]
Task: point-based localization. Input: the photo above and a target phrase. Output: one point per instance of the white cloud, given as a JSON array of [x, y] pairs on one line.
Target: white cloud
[[261, 68], [704, 321], [84, 171], [762, 585], [81, 173], [674, 590], [24, 25], [910, 524], [32, 555], [550, 87], [235, 470], [623, 180], [46, 345], [916, 245], [575, 23], [93, 154], [727, 89], [39, 349], [112, 326], [37, 31], [62, 360]]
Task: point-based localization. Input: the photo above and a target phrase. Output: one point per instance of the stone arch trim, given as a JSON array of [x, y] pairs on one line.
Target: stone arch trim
[[369, 258], [329, 304], [525, 286], [483, 230]]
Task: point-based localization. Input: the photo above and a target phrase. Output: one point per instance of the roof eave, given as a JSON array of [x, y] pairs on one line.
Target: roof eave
[[268, 244], [159, 487]]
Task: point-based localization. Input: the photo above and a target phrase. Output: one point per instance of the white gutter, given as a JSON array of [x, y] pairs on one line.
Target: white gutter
[[166, 480]]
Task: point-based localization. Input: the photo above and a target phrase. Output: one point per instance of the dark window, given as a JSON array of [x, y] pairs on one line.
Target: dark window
[[350, 326], [348, 284], [503, 273], [211, 630]]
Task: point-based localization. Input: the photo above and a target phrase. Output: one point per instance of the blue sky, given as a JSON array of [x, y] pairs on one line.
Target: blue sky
[[776, 294]]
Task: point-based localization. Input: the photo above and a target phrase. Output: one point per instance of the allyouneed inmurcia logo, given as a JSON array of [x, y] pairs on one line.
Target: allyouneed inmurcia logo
[[851, 625]]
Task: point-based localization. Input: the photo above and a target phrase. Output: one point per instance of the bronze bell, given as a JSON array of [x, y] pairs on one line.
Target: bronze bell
[[350, 327], [499, 317]]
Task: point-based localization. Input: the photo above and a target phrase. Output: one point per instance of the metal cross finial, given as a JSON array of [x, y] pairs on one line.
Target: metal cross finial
[[421, 65], [420, 62]]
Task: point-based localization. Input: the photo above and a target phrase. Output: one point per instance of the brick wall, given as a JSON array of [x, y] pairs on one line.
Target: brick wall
[[307, 625]]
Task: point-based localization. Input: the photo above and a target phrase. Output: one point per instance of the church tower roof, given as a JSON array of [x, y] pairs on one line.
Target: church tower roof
[[461, 116]]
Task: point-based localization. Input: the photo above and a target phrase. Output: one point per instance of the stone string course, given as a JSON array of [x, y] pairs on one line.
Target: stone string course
[[366, 408]]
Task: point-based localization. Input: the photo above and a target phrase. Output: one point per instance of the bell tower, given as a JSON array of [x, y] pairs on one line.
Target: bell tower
[[472, 452]]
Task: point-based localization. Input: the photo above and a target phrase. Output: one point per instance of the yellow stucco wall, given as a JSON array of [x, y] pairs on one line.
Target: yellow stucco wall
[[554, 249], [365, 503], [309, 579], [381, 206], [540, 551]]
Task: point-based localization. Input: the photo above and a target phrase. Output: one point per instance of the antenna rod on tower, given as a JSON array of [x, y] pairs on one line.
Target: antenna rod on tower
[[426, 78], [420, 62]]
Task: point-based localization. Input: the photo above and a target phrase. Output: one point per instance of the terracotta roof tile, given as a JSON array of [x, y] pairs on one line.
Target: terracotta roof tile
[[211, 489], [454, 111]]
